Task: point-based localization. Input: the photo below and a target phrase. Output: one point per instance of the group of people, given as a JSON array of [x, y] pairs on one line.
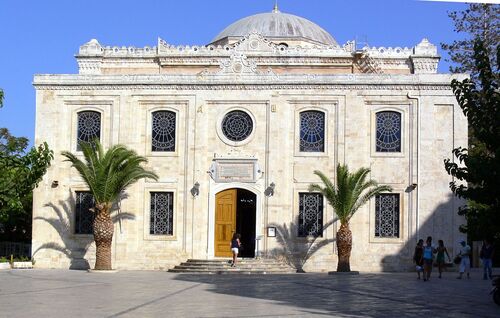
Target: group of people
[[424, 258]]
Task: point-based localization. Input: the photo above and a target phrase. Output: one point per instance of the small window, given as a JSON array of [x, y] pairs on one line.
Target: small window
[[388, 132], [161, 213], [310, 214], [387, 215], [312, 131], [237, 125], [89, 127], [84, 218], [163, 131]]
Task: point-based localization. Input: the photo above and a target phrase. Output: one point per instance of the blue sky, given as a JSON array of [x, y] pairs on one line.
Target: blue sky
[[42, 37]]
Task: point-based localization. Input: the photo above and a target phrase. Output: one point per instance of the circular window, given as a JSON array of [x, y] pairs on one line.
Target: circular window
[[237, 125]]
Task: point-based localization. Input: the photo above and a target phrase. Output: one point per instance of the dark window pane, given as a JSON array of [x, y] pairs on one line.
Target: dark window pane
[[312, 131], [162, 213], [388, 132], [237, 125], [387, 215], [89, 127], [84, 218], [163, 131], [310, 214]]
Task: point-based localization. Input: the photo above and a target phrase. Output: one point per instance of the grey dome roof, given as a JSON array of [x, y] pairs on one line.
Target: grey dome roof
[[277, 25]]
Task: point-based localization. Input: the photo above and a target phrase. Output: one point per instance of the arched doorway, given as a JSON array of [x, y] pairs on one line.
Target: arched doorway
[[235, 211]]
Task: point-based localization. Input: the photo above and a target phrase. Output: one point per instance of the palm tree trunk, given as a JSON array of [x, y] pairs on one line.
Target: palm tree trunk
[[103, 236], [344, 247]]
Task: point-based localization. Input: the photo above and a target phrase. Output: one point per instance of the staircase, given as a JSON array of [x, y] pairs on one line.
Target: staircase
[[223, 266]]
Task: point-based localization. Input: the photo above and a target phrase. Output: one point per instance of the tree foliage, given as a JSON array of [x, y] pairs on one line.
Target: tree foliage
[[21, 172], [479, 20], [477, 169], [351, 192]]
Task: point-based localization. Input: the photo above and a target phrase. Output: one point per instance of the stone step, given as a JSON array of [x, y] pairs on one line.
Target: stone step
[[223, 266], [232, 271], [229, 265]]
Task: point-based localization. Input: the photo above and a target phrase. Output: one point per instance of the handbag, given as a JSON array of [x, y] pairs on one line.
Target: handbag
[[457, 259]]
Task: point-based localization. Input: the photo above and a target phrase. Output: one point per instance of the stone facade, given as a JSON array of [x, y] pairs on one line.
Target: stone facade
[[273, 83]]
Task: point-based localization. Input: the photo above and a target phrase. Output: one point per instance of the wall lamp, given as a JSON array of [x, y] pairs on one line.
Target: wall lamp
[[413, 186], [269, 192], [195, 190], [55, 184]]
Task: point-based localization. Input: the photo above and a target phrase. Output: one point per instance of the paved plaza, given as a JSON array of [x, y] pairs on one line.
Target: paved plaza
[[66, 293]]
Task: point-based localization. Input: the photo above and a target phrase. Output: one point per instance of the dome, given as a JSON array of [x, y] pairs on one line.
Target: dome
[[278, 25]]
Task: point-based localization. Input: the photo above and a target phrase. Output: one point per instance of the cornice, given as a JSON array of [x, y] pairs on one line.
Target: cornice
[[251, 81]]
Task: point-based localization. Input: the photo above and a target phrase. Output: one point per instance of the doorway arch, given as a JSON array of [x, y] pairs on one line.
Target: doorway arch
[[247, 203]]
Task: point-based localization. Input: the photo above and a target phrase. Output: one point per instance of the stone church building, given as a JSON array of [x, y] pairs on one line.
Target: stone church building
[[234, 129]]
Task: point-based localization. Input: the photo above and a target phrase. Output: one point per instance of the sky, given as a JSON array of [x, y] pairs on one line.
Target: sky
[[42, 37]]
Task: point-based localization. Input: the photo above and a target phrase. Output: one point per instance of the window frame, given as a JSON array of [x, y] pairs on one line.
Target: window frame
[[321, 232], [403, 111], [176, 137], [300, 130], [403, 218], [221, 134], [150, 210], [74, 214], [176, 209]]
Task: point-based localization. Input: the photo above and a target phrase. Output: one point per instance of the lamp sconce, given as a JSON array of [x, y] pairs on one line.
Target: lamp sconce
[[55, 184], [195, 190], [269, 192], [413, 186]]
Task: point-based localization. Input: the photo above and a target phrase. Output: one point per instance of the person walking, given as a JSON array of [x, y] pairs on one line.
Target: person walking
[[235, 246], [486, 256], [418, 257], [441, 250], [465, 251], [428, 257]]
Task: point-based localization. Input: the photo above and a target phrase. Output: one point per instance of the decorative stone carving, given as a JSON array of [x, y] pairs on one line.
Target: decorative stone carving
[[89, 65], [425, 58], [425, 48], [237, 64], [91, 48], [234, 167]]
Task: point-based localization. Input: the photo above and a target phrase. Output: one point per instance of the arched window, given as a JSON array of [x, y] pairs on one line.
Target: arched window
[[163, 131], [312, 131], [89, 127], [388, 131]]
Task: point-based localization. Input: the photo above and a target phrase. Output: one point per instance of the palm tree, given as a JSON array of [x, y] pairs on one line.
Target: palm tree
[[350, 193], [107, 174]]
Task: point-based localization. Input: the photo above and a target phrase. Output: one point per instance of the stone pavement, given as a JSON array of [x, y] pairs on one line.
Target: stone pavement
[[66, 293]]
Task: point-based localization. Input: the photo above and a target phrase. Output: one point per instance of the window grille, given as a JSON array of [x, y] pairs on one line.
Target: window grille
[[312, 131], [387, 215], [84, 218], [237, 125], [161, 213], [163, 131], [310, 214], [89, 127], [388, 132]]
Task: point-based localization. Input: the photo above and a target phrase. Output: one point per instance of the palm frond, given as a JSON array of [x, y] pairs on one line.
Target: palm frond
[[109, 173], [350, 191]]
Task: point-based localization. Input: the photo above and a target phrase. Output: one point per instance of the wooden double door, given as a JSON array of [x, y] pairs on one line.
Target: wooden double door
[[233, 214]]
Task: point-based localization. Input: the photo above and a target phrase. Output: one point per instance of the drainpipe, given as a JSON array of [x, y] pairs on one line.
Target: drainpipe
[[417, 222]]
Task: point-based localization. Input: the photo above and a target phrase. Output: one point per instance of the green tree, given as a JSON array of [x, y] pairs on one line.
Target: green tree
[[107, 174], [21, 172], [478, 20], [1, 98], [350, 192], [478, 168]]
